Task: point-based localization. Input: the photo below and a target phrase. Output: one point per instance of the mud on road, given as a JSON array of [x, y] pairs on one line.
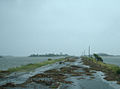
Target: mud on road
[[69, 74]]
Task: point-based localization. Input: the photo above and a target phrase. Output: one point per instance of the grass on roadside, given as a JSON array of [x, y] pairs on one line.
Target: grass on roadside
[[33, 66], [114, 68]]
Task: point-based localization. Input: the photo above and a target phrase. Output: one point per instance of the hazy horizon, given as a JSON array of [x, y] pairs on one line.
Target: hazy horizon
[[54, 26]]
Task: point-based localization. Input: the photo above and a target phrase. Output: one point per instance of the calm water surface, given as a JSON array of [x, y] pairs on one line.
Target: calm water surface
[[112, 59], [9, 62]]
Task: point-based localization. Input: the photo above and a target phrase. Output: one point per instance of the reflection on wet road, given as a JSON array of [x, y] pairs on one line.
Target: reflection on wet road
[[62, 75]]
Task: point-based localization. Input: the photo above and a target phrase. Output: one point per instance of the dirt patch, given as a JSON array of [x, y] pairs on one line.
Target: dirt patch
[[4, 73], [80, 78], [69, 59], [118, 82], [76, 74], [9, 85], [51, 78]]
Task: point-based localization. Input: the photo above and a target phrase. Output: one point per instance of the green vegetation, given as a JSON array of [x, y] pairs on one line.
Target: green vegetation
[[112, 72], [97, 57], [33, 66], [114, 68]]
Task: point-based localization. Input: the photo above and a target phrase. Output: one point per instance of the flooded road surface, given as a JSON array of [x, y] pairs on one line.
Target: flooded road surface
[[61, 75]]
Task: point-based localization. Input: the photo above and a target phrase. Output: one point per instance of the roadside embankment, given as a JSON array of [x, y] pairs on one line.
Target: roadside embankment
[[67, 74], [47, 76], [112, 72], [29, 67]]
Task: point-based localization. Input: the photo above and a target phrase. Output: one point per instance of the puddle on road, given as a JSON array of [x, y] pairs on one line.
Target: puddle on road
[[69, 75]]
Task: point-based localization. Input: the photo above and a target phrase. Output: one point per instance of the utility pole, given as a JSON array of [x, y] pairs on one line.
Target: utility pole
[[84, 53], [89, 51]]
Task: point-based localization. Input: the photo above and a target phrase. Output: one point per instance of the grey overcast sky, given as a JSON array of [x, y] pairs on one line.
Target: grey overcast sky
[[53, 26]]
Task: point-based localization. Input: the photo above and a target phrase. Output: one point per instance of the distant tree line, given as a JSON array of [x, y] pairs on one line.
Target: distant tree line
[[103, 54], [47, 55]]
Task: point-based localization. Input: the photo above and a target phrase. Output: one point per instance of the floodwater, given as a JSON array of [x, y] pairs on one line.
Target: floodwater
[[112, 60], [78, 82], [10, 62]]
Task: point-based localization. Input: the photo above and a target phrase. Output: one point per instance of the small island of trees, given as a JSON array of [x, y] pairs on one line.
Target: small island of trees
[[104, 54], [48, 55], [1, 57]]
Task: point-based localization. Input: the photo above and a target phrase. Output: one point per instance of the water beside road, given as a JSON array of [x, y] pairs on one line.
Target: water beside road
[[82, 80], [10, 62], [112, 60]]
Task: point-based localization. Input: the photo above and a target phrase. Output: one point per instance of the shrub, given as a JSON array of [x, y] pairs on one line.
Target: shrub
[[49, 59], [98, 58], [118, 71]]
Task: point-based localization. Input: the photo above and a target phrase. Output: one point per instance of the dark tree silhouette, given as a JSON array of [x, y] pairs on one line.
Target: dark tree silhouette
[[97, 57]]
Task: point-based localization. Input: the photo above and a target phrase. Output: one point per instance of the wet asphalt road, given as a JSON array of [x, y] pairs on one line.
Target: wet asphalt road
[[86, 82], [78, 82]]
